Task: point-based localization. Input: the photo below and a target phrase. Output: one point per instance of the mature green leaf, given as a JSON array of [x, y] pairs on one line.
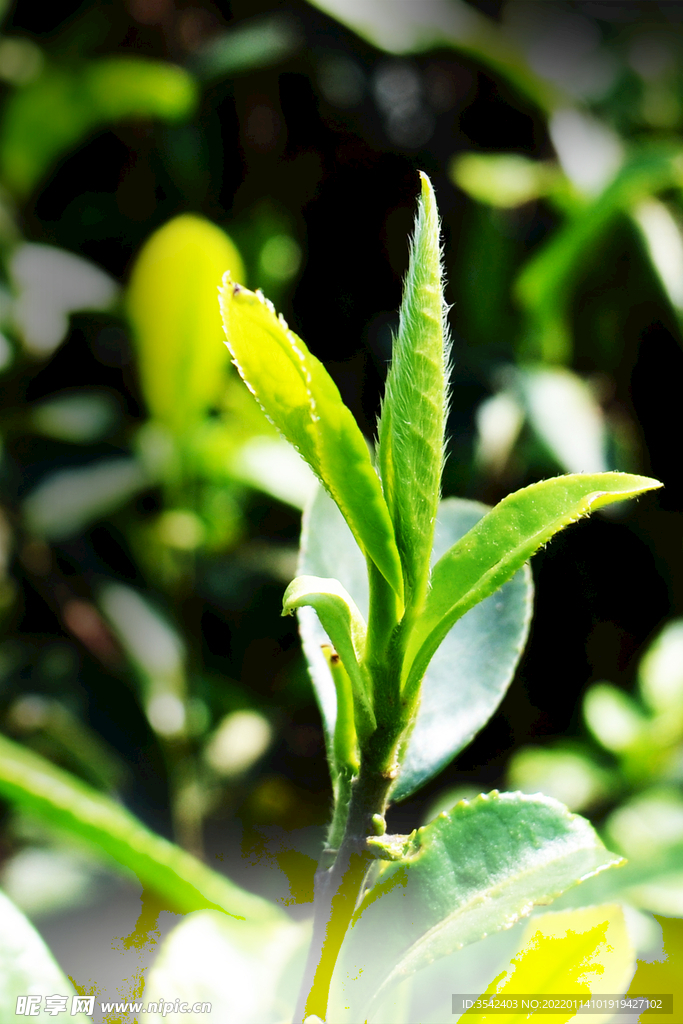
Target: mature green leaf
[[499, 545], [32, 782], [301, 399], [411, 427], [345, 626], [52, 114], [573, 953], [470, 673], [470, 872], [172, 306], [27, 966], [248, 972]]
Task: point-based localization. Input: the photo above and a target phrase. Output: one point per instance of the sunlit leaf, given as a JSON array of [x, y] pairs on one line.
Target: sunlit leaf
[[660, 673], [54, 795], [470, 872], [177, 328], [663, 976], [246, 972], [572, 953], [134, 87], [500, 544], [27, 967], [51, 283], [300, 398], [613, 717], [411, 427], [502, 179]]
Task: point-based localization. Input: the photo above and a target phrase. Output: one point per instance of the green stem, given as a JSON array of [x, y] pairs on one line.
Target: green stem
[[339, 888]]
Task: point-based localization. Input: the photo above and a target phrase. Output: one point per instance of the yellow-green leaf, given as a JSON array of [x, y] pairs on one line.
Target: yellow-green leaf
[[663, 977], [298, 395], [172, 306], [575, 953]]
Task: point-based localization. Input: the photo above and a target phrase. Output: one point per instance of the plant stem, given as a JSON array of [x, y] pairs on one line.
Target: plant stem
[[339, 888]]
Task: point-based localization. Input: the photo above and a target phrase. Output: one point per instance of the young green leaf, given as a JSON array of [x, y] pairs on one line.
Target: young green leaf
[[468, 873], [411, 427], [345, 626], [32, 782], [172, 306], [27, 966], [575, 953], [499, 545], [301, 399]]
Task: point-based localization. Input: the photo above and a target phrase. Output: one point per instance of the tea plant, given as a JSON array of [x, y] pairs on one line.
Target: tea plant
[[393, 719], [413, 614]]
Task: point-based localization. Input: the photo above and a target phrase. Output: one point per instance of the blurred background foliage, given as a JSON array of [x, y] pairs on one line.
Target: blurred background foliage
[[149, 515]]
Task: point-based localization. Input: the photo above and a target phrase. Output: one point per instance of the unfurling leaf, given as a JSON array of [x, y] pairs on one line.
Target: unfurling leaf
[[345, 626], [411, 427]]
